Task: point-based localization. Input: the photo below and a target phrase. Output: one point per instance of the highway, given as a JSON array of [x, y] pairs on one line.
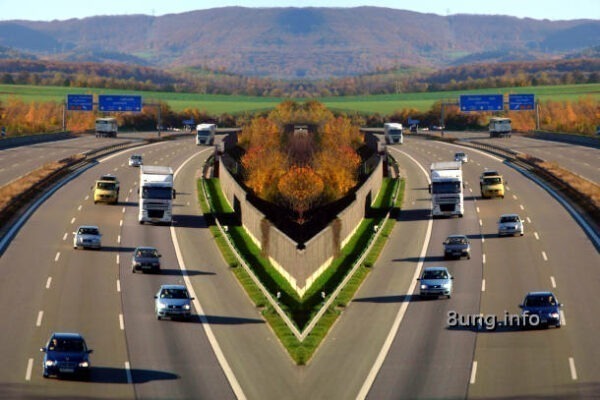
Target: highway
[[388, 344]]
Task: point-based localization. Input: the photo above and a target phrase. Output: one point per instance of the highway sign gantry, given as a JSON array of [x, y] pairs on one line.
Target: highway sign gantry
[[481, 102], [80, 102], [521, 102], [131, 103]]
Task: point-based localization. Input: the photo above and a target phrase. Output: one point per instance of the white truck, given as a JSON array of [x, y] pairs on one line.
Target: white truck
[[205, 134], [156, 194], [106, 127], [500, 127], [392, 132], [446, 188]]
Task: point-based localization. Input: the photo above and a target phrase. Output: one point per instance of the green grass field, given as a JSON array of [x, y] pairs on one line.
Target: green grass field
[[219, 104]]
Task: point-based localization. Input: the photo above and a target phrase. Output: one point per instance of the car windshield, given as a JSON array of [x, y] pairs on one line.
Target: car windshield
[[174, 294], [108, 178], [457, 240], [459, 155], [136, 158], [511, 218], [106, 185], [66, 345], [540, 301], [88, 231], [146, 253], [492, 181], [435, 274]]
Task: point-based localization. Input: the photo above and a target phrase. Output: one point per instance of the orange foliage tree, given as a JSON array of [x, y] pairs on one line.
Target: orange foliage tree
[[301, 187]]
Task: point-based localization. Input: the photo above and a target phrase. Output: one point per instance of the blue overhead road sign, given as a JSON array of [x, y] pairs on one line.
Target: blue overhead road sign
[[80, 102], [119, 103], [482, 102], [518, 102]]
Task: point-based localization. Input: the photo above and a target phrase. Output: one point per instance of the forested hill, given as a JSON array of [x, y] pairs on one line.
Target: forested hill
[[300, 42]]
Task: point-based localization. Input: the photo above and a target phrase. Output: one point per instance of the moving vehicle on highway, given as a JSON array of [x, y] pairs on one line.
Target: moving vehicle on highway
[[135, 160], [392, 132], [106, 127], [500, 127], [173, 301], [491, 184], [156, 194], [457, 246], [145, 258], [462, 157], [106, 191], [87, 236], [205, 134], [544, 307], [435, 282], [447, 198], [66, 354], [510, 224]]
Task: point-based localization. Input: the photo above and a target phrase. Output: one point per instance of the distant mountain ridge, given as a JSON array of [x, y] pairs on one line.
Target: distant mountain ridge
[[300, 42]]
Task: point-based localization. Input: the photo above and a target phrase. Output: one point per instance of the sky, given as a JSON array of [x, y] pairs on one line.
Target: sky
[[47, 10]]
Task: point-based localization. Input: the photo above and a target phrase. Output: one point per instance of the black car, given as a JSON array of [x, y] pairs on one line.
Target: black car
[[66, 354], [145, 259]]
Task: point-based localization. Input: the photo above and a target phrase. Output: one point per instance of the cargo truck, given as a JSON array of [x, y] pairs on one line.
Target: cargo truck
[[500, 127], [392, 132], [446, 188], [205, 134], [156, 194], [106, 127]]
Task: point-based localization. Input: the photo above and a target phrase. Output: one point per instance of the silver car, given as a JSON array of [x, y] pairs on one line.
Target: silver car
[[135, 160], [457, 246], [435, 281], [462, 157], [145, 259], [87, 236], [173, 301], [510, 224]]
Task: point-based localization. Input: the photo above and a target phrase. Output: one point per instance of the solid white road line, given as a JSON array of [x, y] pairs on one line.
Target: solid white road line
[[38, 322], [29, 369], [48, 282], [553, 282], [572, 367], [473, 373]]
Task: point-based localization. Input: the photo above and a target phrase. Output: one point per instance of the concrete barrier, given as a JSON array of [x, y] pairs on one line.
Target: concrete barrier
[[16, 141]]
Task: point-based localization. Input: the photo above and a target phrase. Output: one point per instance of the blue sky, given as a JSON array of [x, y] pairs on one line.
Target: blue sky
[[45, 10]]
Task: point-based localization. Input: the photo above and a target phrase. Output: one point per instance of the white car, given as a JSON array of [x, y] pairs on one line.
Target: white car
[[135, 160], [462, 157], [87, 236], [510, 224]]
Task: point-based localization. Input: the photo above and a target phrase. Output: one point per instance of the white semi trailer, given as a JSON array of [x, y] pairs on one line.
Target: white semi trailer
[[447, 198], [156, 194]]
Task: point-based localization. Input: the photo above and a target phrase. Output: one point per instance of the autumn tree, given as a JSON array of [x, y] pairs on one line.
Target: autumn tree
[[301, 187]]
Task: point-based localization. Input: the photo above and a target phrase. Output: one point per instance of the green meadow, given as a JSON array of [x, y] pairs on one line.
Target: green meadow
[[219, 104]]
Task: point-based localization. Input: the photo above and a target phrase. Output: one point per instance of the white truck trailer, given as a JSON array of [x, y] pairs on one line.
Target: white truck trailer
[[446, 188], [500, 127], [392, 132], [106, 127], [156, 194], [205, 134]]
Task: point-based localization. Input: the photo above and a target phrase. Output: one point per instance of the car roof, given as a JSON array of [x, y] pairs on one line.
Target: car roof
[[435, 269], [457, 236], [172, 286], [509, 215], [145, 248], [88, 227], [67, 335], [540, 294], [136, 155]]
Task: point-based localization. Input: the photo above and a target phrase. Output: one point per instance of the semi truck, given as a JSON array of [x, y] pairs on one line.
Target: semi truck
[[205, 134], [106, 127], [392, 132], [446, 188], [500, 127], [156, 194]]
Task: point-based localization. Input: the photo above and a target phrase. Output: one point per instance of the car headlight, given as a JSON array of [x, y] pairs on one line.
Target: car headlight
[[161, 306], [186, 307], [423, 286], [84, 364], [445, 285], [50, 363], [554, 315]]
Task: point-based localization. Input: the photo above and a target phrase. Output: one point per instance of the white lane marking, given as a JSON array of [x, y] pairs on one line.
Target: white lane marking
[[572, 367], [121, 322], [127, 198], [117, 259], [87, 197], [484, 258], [470, 190], [123, 210], [130, 190], [57, 256], [79, 208], [544, 256], [514, 197], [528, 220], [563, 320], [38, 322], [536, 235], [521, 206], [72, 220], [483, 285], [553, 282], [29, 369], [119, 239], [48, 282], [128, 373], [473, 373], [116, 169], [118, 285], [121, 223], [480, 223], [482, 239], [477, 208], [65, 236]]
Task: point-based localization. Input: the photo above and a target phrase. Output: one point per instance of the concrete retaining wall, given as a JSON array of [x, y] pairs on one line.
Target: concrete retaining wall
[[566, 138], [17, 141]]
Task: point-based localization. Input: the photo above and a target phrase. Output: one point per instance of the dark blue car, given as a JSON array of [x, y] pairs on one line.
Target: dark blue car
[[541, 309], [66, 354]]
